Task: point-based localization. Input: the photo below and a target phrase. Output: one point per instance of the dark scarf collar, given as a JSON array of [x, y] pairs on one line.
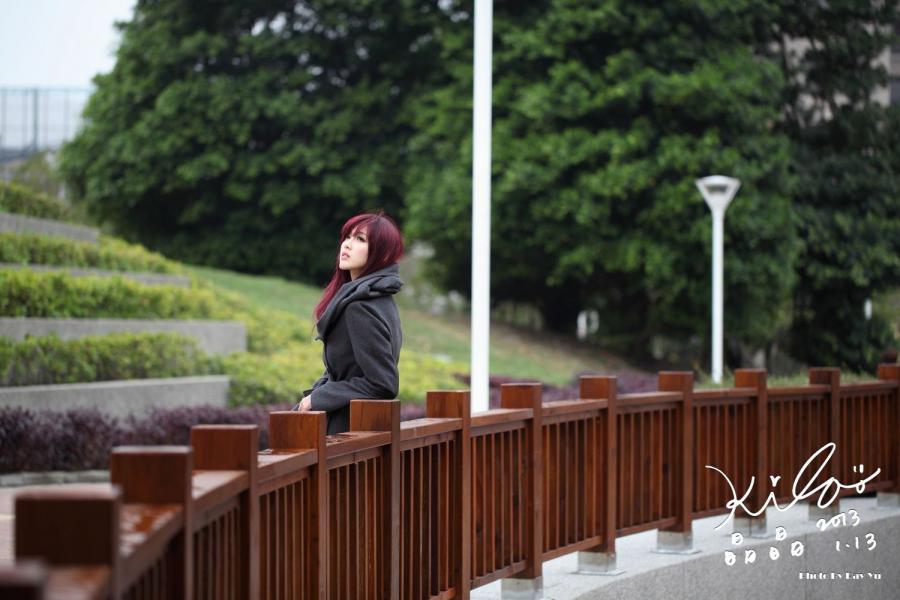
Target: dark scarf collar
[[383, 282]]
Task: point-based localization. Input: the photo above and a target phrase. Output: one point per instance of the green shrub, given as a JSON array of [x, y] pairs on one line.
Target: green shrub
[[277, 378], [15, 198], [255, 378], [420, 373], [268, 330], [49, 294], [282, 376], [110, 253], [49, 359]]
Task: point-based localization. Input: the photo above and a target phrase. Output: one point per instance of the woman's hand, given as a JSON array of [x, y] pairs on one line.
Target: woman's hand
[[306, 403]]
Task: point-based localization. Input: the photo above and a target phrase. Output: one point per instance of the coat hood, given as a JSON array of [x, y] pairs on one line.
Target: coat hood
[[383, 282]]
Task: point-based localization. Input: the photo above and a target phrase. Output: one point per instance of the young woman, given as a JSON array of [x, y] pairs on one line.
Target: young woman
[[358, 322]]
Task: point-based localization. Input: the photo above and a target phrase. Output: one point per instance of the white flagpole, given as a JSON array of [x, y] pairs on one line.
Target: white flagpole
[[481, 205]]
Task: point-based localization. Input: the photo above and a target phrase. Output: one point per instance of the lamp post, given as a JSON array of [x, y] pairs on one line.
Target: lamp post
[[718, 192], [481, 206]]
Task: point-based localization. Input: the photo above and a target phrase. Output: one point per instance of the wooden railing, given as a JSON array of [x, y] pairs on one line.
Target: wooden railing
[[435, 507]]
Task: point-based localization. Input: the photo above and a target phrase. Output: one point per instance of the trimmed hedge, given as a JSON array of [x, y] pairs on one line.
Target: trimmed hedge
[[17, 199], [271, 379], [109, 253], [49, 294], [60, 295], [50, 360], [255, 378], [280, 377]]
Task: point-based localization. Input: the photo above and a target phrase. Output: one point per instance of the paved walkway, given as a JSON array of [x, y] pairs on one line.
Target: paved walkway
[[705, 574], [821, 571]]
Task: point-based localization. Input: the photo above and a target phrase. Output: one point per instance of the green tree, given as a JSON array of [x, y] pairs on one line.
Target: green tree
[[604, 115], [243, 134], [847, 193]]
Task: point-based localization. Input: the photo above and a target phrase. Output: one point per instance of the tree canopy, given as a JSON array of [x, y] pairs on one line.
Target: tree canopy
[[603, 118], [846, 193], [242, 135]]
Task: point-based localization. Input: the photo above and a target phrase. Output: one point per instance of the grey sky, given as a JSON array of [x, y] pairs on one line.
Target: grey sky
[[58, 43]]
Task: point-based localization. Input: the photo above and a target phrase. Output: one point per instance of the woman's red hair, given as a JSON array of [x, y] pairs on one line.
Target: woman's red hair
[[385, 248]]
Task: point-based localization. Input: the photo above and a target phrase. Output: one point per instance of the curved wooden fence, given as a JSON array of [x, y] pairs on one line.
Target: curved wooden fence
[[435, 507]]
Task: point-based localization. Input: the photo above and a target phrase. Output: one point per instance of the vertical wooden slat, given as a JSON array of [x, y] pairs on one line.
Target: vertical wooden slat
[[509, 522], [528, 395], [481, 511], [294, 430], [160, 475], [234, 447], [422, 508], [384, 415], [491, 492], [606, 468], [558, 483], [832, 409], [759, 447], [445, 498], [683, 382], [364, 526], [891, 372], [408, 527], [265, 556], [290, 557]]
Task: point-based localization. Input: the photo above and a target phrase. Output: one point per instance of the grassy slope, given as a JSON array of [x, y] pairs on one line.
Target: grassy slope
[[551, 359], [514, 352]]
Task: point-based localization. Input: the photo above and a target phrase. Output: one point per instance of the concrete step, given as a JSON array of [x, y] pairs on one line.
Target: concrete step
[[213, 337], [10, 222], [139, 276], [123, 397]]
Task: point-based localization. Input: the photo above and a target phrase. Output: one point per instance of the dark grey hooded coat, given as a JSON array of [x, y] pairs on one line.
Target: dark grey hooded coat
[[360, 329]]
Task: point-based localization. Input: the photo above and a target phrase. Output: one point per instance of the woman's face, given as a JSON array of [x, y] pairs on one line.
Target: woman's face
[[354, 253]]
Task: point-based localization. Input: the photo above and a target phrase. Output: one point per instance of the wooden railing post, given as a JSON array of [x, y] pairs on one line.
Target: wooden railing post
[[456, 404], [295, 430], [159, 475], [73, 527], [757, 379], [234, 448], [891, 498], [601, 560], [831, 377], [529, 583], [23, 580], [384, 415], [679, 538]]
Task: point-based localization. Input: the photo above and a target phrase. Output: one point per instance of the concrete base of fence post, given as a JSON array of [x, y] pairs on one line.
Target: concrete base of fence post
[[522, 589], [887, 500], [754, 527], [598, 563], [675, 542], [816, 512]]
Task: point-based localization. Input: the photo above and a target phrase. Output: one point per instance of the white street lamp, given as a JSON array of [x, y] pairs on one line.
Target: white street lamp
[[481, 206], [718, 192]]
